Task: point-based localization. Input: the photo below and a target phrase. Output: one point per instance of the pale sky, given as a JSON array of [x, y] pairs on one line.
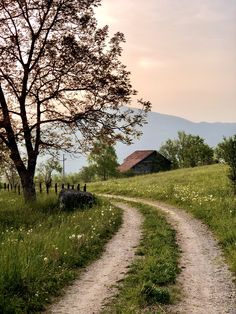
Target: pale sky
[[181, 53]]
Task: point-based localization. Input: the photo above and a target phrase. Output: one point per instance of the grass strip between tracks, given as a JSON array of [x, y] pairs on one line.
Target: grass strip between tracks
[[150, 283]]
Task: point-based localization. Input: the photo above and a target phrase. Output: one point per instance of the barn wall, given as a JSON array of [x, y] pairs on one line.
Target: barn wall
[[153, 163]]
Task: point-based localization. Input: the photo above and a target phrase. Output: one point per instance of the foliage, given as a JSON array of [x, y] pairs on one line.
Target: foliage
[[103, 160], [41, 250], [187, 151], [204, 191], [60, 75], [46, 169], [227, 151], [152, 274], [87, 173], [170, 149]]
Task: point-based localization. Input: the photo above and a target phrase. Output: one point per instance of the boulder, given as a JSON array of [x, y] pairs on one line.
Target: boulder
[[71, 199]]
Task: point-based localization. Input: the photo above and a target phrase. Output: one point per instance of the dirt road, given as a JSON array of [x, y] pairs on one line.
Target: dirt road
[[88, 293], [206, 282]]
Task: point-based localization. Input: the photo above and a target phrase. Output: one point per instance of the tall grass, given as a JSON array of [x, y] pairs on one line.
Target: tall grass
[[41, 249], [203, 191]]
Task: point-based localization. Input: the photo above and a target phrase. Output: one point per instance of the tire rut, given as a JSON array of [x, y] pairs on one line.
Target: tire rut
[[88, 293]]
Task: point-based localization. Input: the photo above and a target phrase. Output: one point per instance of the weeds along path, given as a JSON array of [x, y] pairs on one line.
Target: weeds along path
[[96, 283], [206, 282]]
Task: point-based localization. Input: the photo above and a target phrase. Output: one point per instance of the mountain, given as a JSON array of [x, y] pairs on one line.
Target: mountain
[[161, 127]]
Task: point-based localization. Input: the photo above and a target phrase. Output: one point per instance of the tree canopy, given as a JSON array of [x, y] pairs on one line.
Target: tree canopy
[[226, 150], [187, 151], [59, 75]]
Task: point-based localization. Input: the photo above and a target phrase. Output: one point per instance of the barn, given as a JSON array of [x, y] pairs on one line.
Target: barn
[[145, 161]]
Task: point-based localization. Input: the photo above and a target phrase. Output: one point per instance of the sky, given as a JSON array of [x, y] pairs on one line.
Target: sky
[[181, 54]]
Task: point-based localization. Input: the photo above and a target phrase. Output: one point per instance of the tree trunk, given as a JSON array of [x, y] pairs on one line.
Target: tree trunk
[[27, 181]]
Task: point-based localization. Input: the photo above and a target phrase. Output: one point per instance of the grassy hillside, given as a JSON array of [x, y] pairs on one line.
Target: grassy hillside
[[203, 191]]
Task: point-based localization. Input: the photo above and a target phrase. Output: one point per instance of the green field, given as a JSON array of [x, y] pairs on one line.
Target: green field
[[42, 249], [203, 191]]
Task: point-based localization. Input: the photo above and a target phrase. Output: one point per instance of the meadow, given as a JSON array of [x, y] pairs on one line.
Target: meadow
[[43, 249], [204, 191]]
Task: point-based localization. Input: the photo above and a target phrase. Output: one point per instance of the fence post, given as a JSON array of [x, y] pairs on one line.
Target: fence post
[[78, 187], [5, 186], [8, 186], [85, 187], [11, 186], [63, 186], [68, 186], [47, 188], [15, 187], [40, 187], [19, 189], [56, 188]]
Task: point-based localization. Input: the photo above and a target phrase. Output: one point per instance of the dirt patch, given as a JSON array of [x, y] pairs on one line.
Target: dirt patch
[[96, 283], [206, 281]]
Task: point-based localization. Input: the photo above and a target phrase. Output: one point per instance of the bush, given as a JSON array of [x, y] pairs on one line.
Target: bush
[[70, 200]]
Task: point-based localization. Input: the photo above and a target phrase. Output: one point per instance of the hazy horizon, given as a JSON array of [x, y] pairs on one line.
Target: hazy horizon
[[181, 54]]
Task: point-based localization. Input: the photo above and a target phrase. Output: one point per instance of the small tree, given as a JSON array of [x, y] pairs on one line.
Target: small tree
[[103, 159], [227, 151], [87, 173], [46, 169]]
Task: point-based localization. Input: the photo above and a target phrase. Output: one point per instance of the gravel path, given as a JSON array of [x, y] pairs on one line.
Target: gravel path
[[206, 282], [95, 285]]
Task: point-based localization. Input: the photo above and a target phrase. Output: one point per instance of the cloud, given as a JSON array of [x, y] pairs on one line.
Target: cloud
[[149, 63]]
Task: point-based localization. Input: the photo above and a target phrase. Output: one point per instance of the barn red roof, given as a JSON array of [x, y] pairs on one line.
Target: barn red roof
[[134, 159]]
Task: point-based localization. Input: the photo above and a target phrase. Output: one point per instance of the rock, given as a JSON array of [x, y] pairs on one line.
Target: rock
[[71, 199]]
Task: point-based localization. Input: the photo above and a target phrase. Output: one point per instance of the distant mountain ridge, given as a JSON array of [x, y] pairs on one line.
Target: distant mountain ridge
[[161, 127]]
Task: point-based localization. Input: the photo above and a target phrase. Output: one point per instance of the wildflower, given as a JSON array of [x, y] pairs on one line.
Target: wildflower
[[45, 259], [79, 236], [72, 236]]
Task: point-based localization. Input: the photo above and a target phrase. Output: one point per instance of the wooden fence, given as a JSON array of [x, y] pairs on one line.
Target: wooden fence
[[43, 188]]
